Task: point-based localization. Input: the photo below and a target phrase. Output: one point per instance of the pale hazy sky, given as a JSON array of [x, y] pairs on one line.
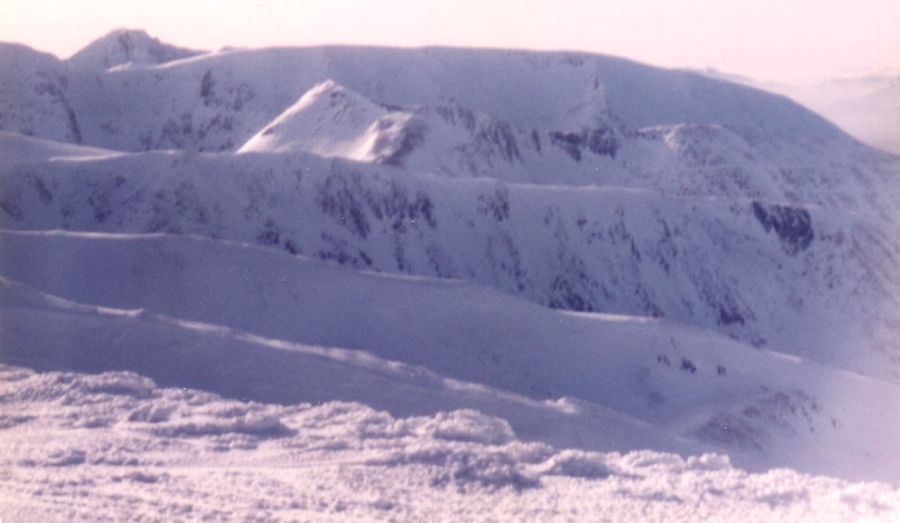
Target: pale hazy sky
[[788, 40]]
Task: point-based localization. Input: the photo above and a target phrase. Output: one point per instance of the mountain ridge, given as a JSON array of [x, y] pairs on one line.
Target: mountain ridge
[[620, 250], [285, 60]]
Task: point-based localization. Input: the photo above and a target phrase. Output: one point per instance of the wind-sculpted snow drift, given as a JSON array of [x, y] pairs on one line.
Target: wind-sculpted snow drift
[[575, 250], [100, 448]]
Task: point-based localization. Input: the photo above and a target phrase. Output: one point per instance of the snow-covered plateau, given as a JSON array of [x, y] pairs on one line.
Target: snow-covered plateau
[[348, 283]]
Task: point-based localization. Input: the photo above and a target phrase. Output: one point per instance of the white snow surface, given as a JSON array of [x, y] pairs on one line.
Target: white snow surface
[[344, 283], [100, 447], [332, 121]]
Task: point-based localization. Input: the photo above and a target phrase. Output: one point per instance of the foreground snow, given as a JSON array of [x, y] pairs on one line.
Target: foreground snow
[[96, 447], [259, 324]]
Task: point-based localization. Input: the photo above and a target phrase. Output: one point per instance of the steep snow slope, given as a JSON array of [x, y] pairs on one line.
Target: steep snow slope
[[767, 409], [332, 121], [160, 454], [817, 282]]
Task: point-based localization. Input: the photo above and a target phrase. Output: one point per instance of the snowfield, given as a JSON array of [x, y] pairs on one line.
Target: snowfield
[[601, 379], [99, 446], [186, 451], [347, 283]]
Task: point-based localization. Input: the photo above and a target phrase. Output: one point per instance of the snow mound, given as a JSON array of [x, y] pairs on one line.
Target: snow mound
[[575, 463], [468, 425]]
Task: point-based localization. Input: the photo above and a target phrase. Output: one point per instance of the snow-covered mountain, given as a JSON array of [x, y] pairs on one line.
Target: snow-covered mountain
[[809, 280], [127, 48], [600, 254]]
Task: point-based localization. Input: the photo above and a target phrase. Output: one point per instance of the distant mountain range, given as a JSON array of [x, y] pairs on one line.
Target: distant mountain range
[[865, 105]]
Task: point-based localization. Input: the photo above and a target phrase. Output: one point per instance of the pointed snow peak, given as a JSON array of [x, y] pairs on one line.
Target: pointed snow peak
[[326, 116], [327, 86], [325, 104], [127, 46], [330, 95], [333, 121]]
